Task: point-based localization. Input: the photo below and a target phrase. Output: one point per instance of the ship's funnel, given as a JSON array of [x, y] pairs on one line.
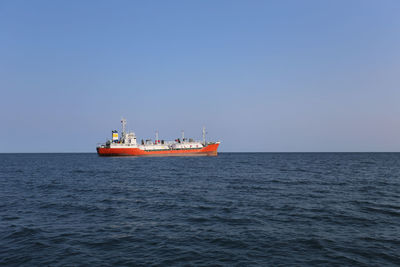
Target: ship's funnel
[[114, 136]]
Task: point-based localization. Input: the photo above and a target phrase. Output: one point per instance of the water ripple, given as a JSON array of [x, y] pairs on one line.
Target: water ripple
[[238, 209]]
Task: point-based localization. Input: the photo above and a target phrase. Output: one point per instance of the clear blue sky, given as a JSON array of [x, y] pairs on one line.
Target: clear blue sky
[[261, 75]]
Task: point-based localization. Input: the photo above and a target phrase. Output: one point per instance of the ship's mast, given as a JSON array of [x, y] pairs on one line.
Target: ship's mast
[[156, 136], [204, 135], [183, 135], [123, 122]]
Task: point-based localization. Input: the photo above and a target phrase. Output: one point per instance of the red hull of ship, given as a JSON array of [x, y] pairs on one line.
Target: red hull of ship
[[210, 150]]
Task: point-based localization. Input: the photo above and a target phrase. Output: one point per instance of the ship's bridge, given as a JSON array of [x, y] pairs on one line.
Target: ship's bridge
[[130, 138]]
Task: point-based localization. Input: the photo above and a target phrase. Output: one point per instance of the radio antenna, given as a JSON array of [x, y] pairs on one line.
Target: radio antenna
[[123, 122], [204, 135]]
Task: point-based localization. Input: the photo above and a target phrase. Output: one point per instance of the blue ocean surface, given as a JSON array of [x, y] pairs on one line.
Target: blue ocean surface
[[237, 209]]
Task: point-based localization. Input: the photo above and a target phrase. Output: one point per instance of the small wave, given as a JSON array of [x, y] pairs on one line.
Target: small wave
[[367, 188], [24, 232], [71, 207], [368, 162], [204, 208], [300, 170], [311, 242], [229, 242], [10, 218], [198, 219], [382, 211], [378, 205], [381, 240], [235, 221], [79, 171]]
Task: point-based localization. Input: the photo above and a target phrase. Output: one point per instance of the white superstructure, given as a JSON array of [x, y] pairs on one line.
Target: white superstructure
[[129, 140]]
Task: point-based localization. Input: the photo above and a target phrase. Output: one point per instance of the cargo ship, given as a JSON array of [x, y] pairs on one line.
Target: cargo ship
[[127, 145]]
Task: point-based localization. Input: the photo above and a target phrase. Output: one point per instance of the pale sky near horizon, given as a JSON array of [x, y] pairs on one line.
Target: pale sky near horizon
[[267, 76]]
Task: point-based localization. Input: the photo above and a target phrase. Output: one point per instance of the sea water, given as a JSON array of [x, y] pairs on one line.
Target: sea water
[[276, 209]]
